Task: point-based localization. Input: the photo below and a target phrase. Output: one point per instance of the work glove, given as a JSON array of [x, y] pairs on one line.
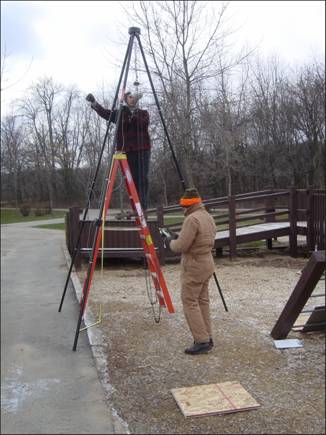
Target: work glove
[[167, 236], [90, 98], [173, 235]]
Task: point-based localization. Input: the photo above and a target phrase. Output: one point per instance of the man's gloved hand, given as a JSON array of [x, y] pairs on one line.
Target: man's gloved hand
[[167, 236], [90, 98], [173, 236], [166, 242]]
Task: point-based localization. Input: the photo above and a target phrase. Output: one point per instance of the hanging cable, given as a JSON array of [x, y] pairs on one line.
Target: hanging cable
[[153, 297], [136, 82], [152, 292]]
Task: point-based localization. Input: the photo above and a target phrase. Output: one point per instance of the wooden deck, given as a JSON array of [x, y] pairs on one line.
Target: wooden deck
[[256, 232]]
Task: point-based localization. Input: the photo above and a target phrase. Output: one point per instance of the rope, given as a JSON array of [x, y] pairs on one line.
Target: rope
[[141, 190], [155, 300]]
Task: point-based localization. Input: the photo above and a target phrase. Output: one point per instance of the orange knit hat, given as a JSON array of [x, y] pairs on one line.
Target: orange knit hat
[[190, 197]]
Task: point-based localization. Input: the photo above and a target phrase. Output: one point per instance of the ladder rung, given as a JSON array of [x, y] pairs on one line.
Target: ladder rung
[[117, 249], [108, 228]]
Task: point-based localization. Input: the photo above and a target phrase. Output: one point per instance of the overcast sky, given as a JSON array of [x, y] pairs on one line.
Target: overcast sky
[[78, 42]]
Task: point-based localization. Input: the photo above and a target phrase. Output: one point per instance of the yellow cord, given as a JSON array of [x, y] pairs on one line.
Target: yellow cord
[[102, 242], [100, 317]]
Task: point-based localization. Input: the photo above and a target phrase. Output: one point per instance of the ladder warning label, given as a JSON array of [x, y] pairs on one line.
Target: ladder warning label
[[149, 240]]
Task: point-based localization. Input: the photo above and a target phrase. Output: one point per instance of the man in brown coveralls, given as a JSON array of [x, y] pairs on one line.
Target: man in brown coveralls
[[195, 243]]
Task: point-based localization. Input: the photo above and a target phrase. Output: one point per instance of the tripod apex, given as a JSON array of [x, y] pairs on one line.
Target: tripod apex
[[135, 30]]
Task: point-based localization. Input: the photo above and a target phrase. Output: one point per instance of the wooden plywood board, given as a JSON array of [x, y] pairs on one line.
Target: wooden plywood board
[[213, 399]]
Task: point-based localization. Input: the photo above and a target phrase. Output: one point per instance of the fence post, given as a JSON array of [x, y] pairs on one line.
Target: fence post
[[232, 227], [293, 222], [310, 220], [270, 208], [67, 231], [160, 216], [74, 231]]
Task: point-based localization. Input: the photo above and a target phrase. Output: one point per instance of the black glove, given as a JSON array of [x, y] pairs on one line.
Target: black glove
[[90, 98], [167, 236], [173, 236], [167, 242]]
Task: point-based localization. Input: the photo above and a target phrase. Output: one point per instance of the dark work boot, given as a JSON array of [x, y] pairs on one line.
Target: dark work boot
[[198, 348], [211, 343]]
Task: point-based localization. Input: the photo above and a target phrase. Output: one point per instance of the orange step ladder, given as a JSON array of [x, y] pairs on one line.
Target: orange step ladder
[[120, 160]]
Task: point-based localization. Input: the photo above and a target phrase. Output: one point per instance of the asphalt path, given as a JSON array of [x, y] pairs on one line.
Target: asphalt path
[[46, 387]]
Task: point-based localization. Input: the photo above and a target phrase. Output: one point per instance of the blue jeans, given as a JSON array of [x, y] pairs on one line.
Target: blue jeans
[[139, 167]]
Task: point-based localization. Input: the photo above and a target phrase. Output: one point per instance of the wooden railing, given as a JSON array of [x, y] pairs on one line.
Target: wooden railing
[[231, 213]]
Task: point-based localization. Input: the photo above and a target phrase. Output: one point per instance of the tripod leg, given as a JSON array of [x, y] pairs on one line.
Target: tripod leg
[[160, 113], [220, 291], [127, 56], [105, 201]]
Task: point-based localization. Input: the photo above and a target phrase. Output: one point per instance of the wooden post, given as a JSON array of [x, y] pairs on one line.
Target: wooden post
[[160, 216], [74, 231], [270, 208], [310, 276], [232, 227], [293, 222], [310, 221], [68, 232]]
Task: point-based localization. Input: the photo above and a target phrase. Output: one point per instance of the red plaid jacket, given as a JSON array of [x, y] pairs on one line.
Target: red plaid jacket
[[133, 127]]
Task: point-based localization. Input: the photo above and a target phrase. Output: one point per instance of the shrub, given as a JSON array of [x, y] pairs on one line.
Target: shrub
[[25, 209], [39, 212]]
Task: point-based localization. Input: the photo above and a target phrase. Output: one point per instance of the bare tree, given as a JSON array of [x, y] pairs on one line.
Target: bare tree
[[13, 157], [5, 77], [39, 109], [183, 40], [309, 109]]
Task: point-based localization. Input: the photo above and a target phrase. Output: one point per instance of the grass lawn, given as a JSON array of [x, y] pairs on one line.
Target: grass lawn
[[13, 215], [52, 226]]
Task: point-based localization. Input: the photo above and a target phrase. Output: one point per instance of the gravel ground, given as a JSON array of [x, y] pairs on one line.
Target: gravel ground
[[141, 360]]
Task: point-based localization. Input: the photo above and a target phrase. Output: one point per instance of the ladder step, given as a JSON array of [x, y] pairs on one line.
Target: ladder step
[[108, 228], [118, 249]]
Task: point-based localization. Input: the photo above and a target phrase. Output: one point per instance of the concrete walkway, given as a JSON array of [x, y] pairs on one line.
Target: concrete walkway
[[46, 388]]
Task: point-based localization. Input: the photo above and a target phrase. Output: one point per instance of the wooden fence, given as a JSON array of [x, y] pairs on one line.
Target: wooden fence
[[243, 218]]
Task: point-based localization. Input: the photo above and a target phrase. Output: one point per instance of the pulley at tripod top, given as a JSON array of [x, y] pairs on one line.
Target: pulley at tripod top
[[135, 30]]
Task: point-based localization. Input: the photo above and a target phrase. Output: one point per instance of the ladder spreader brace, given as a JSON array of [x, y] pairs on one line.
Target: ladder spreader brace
[[120, 160]]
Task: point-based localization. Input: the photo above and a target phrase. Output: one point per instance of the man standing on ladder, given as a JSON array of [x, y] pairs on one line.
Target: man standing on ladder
[[132, 138]]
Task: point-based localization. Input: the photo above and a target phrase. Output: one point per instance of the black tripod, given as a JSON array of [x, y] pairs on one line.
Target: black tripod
[[134, 32]]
